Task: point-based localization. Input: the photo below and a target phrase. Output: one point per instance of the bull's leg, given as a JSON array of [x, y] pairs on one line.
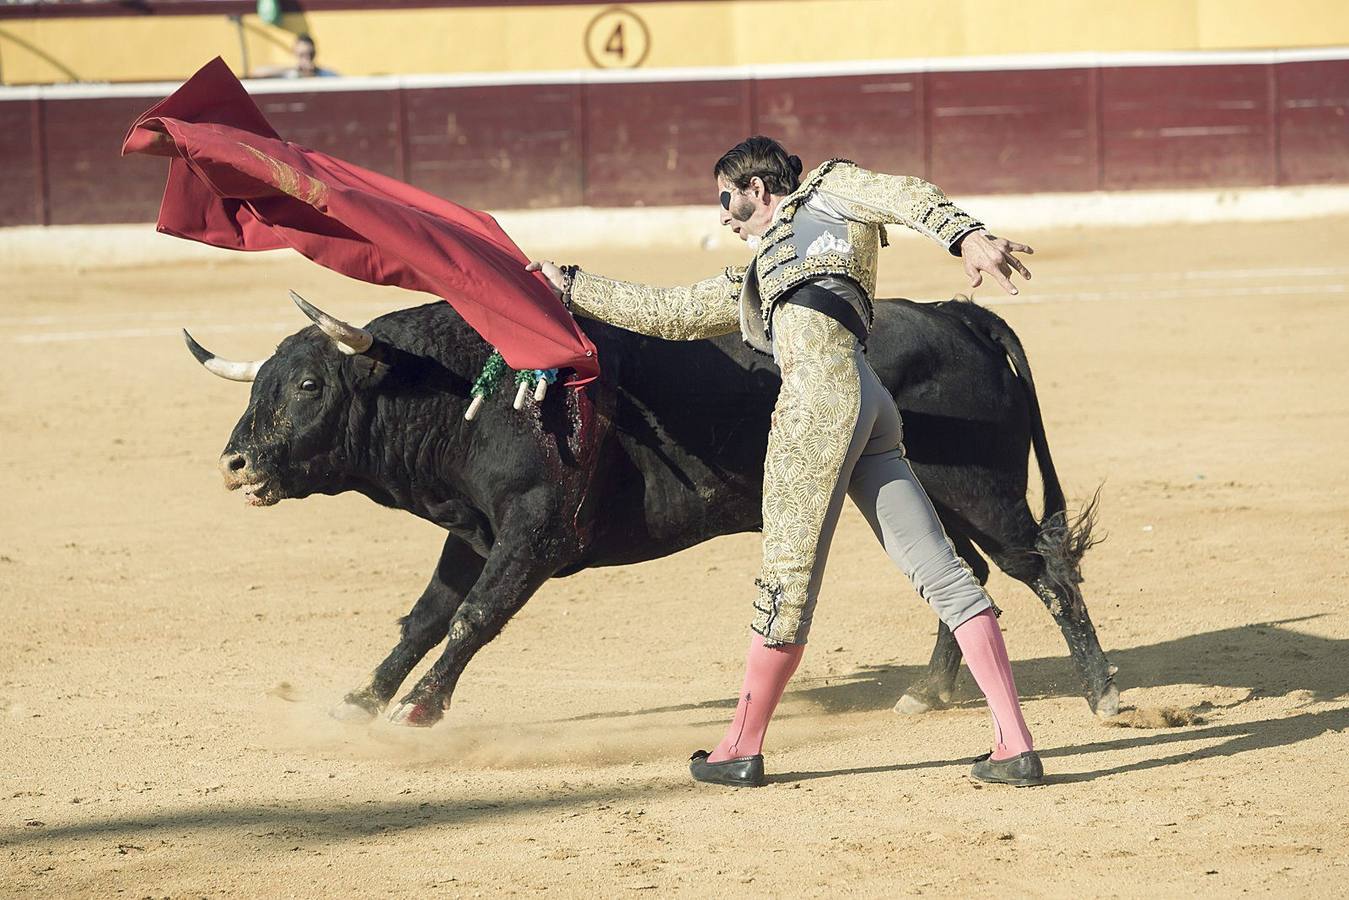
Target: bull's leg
[[1064, 601], [1052, 570], [422, 628], [513, 572], [935, 689]]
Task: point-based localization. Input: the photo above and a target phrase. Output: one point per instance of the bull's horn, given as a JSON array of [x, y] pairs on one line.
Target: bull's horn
[[350, 339], [234, 371]]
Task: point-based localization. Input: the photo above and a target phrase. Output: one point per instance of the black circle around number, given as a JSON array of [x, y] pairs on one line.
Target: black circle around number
[[618, 16]]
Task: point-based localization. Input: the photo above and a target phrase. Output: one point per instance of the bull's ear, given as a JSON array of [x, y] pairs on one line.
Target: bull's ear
[[373, 365]]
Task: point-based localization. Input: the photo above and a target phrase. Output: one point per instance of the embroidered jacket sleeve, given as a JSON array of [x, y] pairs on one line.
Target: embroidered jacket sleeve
[[707, 309], [879, 199]]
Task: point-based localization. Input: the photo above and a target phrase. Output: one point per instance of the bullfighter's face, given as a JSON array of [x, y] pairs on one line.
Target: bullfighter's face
[[746, 211]]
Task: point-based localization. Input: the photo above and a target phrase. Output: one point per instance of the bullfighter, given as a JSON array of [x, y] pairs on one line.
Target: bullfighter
[[806, 299]]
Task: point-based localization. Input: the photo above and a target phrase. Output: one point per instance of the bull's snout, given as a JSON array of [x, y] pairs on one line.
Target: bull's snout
[[239, 471], [233, 465]]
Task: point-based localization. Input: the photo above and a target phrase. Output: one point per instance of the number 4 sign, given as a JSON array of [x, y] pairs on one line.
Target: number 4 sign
[[617, 39]]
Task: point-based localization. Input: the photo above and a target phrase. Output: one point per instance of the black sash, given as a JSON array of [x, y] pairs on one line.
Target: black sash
[[822, 300]]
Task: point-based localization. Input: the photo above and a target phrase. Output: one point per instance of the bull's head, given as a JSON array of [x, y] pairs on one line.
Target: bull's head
[[285, 444]]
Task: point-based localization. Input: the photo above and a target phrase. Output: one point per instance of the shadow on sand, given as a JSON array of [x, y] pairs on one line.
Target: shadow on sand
[[319, 822], [1235, 739], [1262, 659], [1266, 659]]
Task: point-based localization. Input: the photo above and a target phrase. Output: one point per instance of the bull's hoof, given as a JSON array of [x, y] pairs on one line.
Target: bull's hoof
[[1107, 705], [912, 705], [419, 714], [922, 696], [346, 711], [358, 706]]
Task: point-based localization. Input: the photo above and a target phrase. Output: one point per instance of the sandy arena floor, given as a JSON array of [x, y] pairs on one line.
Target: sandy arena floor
[[168, 655]]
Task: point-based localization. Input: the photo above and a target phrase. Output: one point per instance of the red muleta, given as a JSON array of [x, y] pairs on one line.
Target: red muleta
[[234, 183]]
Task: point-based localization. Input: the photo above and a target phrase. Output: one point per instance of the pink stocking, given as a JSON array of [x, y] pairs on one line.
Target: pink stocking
[[981, 643], [767, 671]]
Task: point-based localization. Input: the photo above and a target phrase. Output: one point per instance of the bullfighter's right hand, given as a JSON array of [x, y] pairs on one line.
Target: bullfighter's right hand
[[984, 253], [551, 271]]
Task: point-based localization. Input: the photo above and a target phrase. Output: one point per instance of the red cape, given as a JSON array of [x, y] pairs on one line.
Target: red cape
[[234, 183]]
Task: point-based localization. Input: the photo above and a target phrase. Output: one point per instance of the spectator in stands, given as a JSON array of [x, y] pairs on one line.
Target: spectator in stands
[[306, 52]]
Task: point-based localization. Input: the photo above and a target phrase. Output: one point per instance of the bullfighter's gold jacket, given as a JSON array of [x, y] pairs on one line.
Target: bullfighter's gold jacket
[[832, 225]]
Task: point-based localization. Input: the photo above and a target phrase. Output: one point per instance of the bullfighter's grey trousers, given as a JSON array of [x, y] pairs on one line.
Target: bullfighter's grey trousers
[[836, 431]]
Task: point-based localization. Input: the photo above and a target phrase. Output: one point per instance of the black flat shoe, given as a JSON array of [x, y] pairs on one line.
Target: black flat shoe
[[1019, 771], [744, 771]]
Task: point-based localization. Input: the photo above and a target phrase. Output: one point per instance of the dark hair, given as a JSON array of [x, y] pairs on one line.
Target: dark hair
[[764, 157], [304, 38]]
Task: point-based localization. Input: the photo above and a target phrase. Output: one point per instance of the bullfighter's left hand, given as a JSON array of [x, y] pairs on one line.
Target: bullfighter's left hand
[[982, 252], [550, 271]]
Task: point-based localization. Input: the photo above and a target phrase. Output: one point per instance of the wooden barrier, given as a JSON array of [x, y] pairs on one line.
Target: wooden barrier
[[652, 141]]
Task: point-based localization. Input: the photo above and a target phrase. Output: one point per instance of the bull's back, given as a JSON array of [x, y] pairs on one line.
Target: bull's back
[[966, 419], [690, 430], [692, 417]]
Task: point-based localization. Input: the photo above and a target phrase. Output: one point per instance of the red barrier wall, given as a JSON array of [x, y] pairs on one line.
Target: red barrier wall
[[654, 143], [496, 147], [818, 118], [1313, 134], [993, 132], [1208, 125], [88, 183], [22, 188]]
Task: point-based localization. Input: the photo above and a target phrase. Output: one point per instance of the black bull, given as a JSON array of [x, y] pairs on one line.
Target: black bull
[[664, 453]]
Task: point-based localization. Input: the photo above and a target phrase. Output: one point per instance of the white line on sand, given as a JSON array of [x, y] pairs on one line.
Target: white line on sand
[[1124, 295], [179, 318], [182, 317], [1196, 275], [1217, 292], [103, 334]]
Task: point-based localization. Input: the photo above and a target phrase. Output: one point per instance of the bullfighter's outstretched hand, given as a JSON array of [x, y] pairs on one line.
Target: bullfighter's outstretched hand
[[982, 252]]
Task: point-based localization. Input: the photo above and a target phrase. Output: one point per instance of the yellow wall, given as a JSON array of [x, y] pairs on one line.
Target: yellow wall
[[726, 33]]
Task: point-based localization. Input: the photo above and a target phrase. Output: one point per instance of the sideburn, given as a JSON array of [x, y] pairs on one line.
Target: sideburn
[[742, 209]]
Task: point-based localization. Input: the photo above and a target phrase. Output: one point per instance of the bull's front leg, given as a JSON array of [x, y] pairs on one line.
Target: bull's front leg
[[513, 572], [421, 629]]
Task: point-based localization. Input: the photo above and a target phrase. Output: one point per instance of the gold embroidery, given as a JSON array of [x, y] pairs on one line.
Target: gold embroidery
[[777, 234], [865, 241], [803, 270], [787, 208], [774, 258], [289, 181], [778, 273], [707, 309], [878, 199], [813, 424]]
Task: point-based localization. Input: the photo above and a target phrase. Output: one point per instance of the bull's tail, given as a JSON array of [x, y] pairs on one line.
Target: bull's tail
[[1063, 539]]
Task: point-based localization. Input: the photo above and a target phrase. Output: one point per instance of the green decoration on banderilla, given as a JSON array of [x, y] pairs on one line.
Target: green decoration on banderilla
[[490, 378]]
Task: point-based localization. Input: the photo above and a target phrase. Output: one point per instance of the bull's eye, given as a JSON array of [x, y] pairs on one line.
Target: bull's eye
[[309, 385]]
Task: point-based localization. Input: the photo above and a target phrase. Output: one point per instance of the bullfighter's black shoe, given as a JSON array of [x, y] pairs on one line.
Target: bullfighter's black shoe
[[744, 771], [1019, 771]]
